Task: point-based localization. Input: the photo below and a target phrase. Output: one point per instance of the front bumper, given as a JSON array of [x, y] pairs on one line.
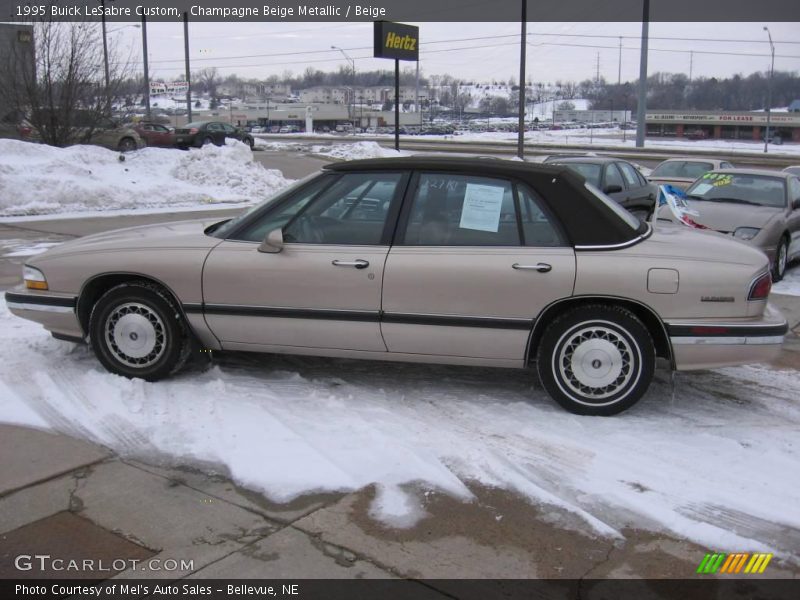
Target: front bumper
[[710, 343], [56, 312]]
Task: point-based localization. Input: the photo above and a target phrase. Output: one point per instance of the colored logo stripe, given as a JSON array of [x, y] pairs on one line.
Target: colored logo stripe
[[733, 563]]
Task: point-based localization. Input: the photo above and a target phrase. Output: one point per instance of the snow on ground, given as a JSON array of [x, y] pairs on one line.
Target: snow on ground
[[20, 248], [710, 459], [790, 284], [356, 151], [87, 178]]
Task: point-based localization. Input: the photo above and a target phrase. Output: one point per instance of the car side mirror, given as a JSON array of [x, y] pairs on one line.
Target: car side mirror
[[796, 204], [612, 189], [273, 242]]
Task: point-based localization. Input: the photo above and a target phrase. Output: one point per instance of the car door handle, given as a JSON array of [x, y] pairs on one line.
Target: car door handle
[[540, 267], [358, 264]]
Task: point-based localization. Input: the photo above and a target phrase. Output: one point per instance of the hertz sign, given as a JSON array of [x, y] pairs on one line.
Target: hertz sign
[[396, 40]]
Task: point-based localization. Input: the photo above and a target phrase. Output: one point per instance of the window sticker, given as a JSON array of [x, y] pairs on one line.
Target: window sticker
[[481, 208], [702, 188]]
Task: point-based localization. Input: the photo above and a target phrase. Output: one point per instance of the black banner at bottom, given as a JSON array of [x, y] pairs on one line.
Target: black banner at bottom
[[403, 589]]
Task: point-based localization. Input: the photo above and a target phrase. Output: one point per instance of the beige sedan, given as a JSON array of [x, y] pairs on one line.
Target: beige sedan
[[682, 172], [422, 259]]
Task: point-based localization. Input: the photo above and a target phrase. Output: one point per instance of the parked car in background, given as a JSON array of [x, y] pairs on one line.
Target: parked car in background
[[112, 135], [619, 179], [155, 134], [681, 172], [200, 133], [257, 129], [757, 206], [419, 259], [793, 170], [14, 126]]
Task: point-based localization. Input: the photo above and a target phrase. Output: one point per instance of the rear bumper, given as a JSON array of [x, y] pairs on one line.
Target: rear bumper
[[710, 344], [55, 312]]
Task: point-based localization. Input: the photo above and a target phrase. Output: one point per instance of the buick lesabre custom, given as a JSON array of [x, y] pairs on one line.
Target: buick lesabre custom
[[423, 259]]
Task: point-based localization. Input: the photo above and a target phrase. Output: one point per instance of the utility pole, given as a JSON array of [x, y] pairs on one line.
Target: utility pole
[[769, 89], [188, 72], [691, 64], [146, 71], [641, 108], [597, 71], [105, 58], [522, 53], [619, 68]]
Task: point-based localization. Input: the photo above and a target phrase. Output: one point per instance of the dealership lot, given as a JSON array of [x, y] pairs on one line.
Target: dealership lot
[[408, 470]]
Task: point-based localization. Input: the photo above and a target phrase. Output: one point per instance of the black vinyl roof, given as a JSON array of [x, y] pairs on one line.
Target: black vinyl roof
[[588, 221]]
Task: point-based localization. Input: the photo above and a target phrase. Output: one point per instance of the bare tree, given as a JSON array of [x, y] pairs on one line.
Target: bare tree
[[64, 94]]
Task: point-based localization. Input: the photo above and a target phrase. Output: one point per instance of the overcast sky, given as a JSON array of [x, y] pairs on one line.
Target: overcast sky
[[556, 51]]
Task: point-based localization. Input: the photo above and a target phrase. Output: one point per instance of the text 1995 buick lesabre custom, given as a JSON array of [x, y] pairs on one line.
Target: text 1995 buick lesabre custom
[[436, 260]]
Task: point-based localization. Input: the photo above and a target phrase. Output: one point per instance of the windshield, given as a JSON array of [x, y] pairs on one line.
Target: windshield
[[682, 168], [194, 125], [623, 214], [590, 172], [762, 190], [222, 229]]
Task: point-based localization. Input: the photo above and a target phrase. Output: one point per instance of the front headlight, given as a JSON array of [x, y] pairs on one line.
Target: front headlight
[[746, 233], [34, 278]]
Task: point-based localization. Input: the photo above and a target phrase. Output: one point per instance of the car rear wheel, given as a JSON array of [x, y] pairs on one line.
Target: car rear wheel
[[127, 145], [136, 330], [781, 258], [250, 142], [596, 360]]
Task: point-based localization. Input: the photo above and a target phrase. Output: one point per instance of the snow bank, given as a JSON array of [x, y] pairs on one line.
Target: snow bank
[[357, 151], [710, 460], [40, 179]]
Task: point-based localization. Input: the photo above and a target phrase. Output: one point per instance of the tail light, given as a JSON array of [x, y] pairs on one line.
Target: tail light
[[24, 131], [193, 130], [761, 287]]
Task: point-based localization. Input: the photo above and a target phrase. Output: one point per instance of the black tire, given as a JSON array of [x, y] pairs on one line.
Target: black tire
[[127, 144], [596, 360], [781, 260], [250, 142], [146, 318]]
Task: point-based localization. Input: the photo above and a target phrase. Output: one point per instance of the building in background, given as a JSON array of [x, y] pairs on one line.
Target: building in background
[[723, 125]]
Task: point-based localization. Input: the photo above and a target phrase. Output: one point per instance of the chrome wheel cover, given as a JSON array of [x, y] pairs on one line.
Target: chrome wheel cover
[[596, 361], [135, 335]]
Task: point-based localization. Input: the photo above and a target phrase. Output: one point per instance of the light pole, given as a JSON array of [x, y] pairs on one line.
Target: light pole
[[350, 105], [105, 56], [769, 88]]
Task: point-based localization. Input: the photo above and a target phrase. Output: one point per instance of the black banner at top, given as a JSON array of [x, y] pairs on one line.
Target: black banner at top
[[712, 11]]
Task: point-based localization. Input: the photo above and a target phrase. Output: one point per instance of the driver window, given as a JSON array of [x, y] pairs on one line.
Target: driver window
[[352, 211]]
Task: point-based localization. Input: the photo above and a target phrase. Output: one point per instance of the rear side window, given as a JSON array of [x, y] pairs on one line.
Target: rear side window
[[613, 176], [460, 210], [629, 173]]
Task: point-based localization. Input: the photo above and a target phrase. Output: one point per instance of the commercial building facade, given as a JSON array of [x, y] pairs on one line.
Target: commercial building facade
[[723, 125]]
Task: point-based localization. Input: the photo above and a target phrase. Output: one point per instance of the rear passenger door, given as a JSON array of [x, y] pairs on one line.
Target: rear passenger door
[[638, 192], [475, 260]]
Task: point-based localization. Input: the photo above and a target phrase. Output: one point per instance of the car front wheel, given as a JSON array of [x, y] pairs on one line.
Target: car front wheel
[[136, 330], [596, 360]]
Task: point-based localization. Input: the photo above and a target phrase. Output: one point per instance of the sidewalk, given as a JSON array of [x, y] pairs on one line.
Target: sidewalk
[[73, 500]]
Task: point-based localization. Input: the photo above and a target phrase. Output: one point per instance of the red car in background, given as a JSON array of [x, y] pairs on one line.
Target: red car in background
[[155, 134]]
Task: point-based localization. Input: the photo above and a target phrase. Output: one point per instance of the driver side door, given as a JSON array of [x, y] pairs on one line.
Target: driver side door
[[323, 289]]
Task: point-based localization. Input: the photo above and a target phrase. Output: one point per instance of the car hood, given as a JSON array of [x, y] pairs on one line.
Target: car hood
[[679, 242], [727, 216], [178, 234]]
